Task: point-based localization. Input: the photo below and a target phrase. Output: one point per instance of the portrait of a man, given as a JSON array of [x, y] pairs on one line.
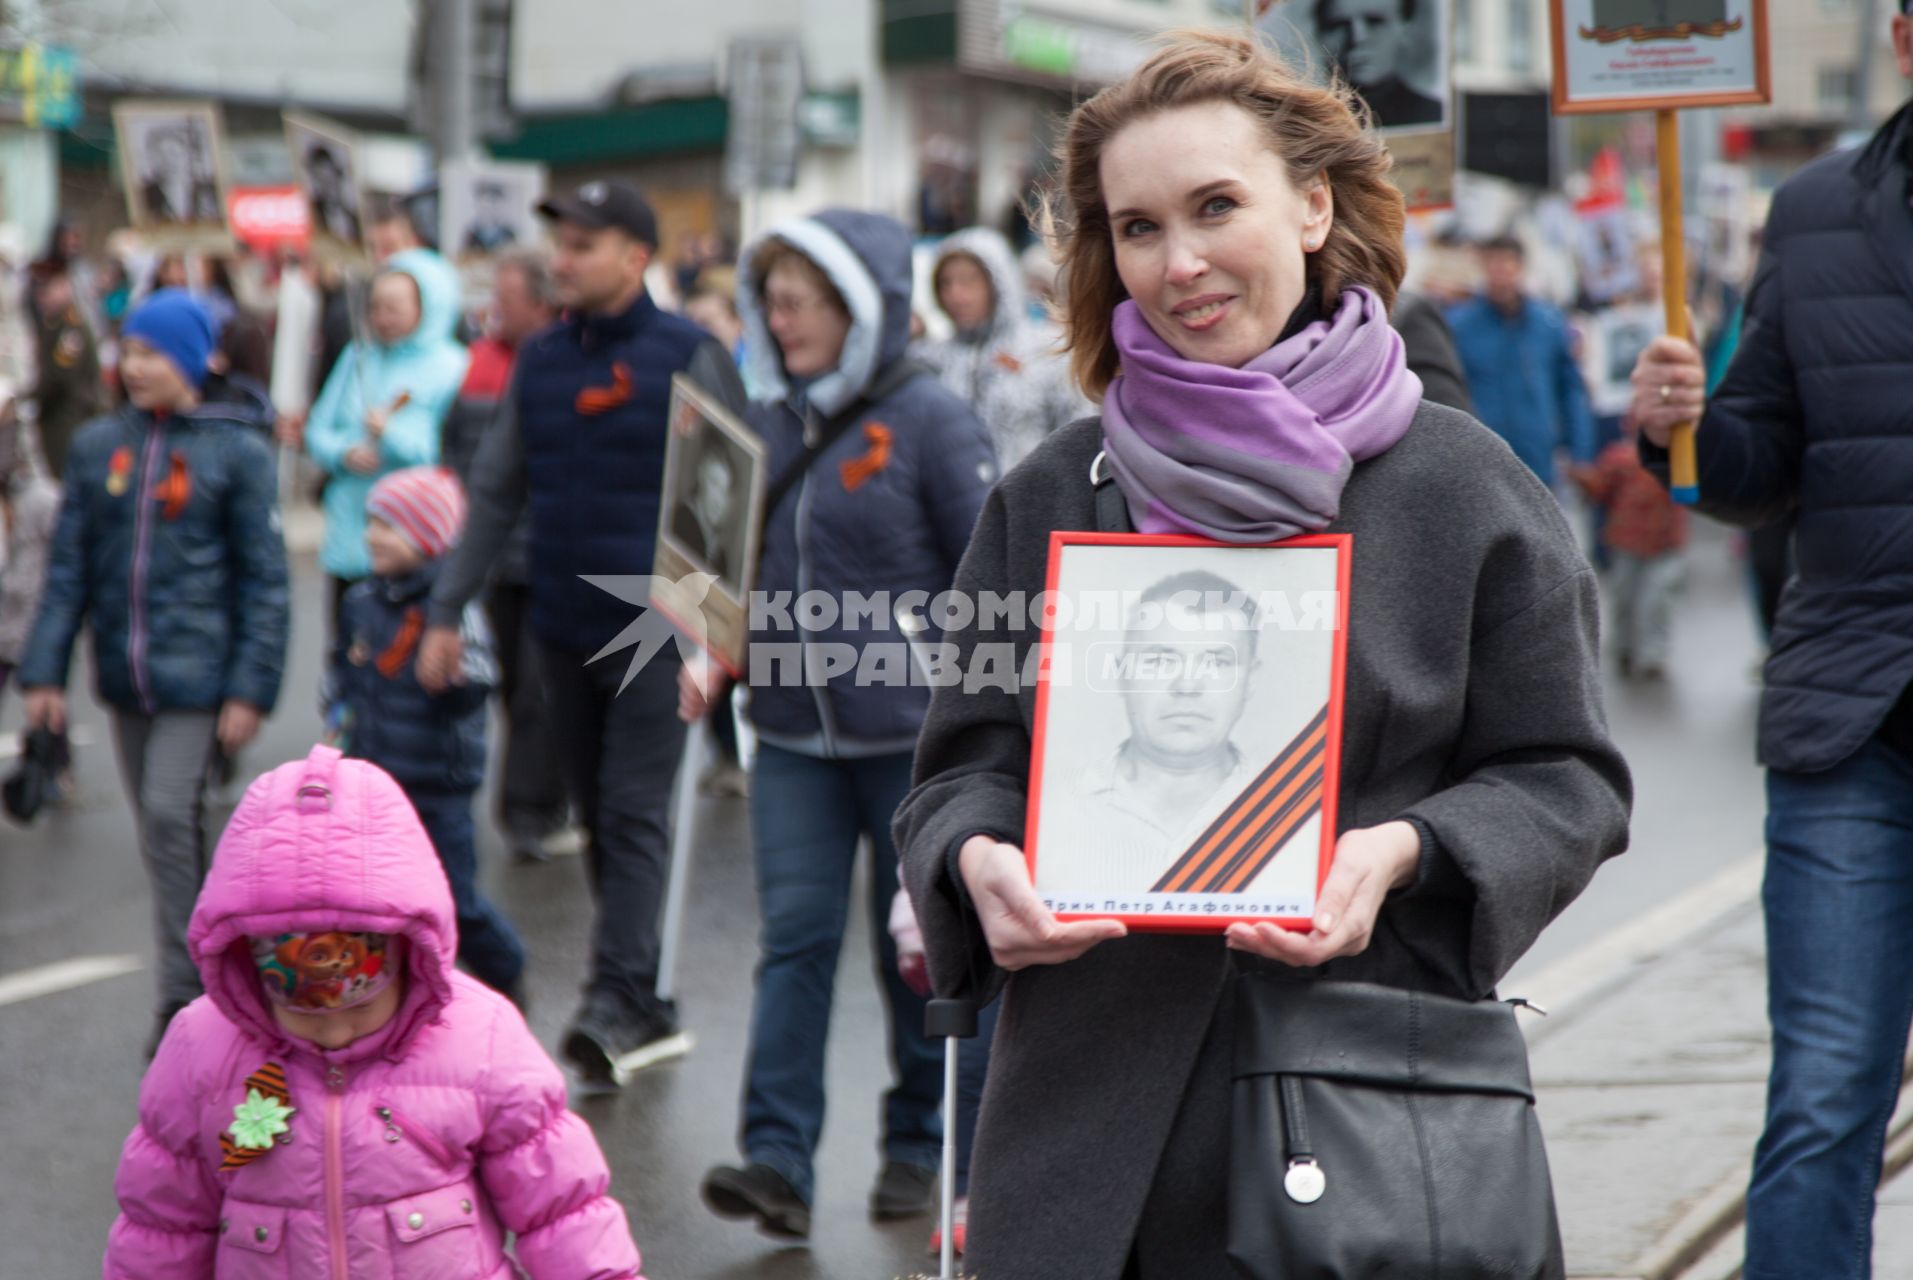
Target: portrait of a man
[[179, 184], [1185, 671], [488, 206], [707, 515], [491, 227], [1658, 15], [1188, 727], [1371, 41], [335, 205], [170, 165]]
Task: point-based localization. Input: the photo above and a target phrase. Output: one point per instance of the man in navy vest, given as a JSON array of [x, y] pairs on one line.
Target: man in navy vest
[[579, 444]]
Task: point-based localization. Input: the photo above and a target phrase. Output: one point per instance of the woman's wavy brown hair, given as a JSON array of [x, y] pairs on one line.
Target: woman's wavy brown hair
[[1317, 130]]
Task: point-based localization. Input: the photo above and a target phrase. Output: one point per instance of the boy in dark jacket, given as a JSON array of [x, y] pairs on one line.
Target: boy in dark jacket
[[169, 547], [433, 744]]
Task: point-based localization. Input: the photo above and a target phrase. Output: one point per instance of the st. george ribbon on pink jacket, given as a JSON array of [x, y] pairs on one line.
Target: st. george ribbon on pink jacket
[[410, 1152]]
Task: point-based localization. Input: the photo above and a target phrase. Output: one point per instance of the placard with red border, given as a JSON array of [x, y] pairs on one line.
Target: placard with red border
[[1704, 53], [1311, 760]]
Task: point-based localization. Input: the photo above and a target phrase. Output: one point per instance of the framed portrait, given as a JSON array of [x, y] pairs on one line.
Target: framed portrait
[[172, 165], [487, 207], [325, 155], [1394, 53], [709, 523], [1651, 55], [1608, 245], [1614, 340], [1188, 731]]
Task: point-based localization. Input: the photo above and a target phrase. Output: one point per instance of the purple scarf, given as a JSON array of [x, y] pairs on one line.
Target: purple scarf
[[1258, 453]]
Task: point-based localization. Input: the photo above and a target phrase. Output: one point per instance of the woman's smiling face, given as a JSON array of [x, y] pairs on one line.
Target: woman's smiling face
[[1210, 235]]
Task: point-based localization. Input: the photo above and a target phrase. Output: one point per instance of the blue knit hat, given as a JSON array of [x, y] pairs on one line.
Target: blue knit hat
[[173, 323]]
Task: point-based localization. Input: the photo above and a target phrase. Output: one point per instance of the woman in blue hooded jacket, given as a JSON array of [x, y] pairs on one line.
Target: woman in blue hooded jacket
[[876, 474], [382, 406]]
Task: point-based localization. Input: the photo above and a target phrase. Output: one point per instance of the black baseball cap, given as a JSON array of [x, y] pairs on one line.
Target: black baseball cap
[[607, 203]]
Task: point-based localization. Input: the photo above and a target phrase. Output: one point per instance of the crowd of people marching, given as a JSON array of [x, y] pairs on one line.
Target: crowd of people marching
[[1221, 347]]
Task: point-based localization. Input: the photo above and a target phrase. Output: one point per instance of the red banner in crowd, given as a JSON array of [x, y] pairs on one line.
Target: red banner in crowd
[[269, 218]]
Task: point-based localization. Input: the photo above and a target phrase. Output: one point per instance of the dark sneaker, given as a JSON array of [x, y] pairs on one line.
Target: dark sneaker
[[758, 1191], [527, 847], [903, 1190], [609, 1045]]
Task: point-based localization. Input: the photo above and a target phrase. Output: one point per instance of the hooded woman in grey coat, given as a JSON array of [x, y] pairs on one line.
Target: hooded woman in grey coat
[[881, 509], [1006, 367], [1231, 247]]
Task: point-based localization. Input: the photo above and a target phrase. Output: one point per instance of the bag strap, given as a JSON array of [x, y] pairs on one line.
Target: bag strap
[[1112, 509], [891, 378]]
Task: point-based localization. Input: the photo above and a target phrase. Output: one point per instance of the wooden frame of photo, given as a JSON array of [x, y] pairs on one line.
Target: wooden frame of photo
[[721, 616], [1565, 103], [325, 242], [203, 235], [1211, 881]]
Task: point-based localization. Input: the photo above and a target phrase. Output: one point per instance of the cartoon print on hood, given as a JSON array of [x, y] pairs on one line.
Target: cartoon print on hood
[[1011, 371], [420, 374], [410, 1153]]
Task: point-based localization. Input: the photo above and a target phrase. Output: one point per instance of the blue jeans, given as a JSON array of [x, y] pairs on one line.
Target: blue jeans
[[806, 817], [1839, 906], [487, 944]]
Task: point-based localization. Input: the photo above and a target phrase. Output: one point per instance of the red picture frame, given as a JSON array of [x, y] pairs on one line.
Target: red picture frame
[[1561, 88], [1207, 919]]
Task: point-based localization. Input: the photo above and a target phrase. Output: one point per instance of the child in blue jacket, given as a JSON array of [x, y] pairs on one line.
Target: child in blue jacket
[[432, 744], [168, 549]]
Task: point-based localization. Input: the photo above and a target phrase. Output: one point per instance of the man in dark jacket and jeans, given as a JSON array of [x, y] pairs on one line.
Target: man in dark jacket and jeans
[[169, 545], [1813, 418], [579, 444]]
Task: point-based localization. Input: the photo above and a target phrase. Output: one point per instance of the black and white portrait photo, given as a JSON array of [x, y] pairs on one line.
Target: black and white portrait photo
[[171, 164], [1612, 342], [486, 207], [709, 521], [326, 156], [1658, 15], [707, 504], [1394, 53], [1187, 729]]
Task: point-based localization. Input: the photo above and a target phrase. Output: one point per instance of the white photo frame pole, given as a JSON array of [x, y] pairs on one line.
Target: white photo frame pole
[[677, 885]]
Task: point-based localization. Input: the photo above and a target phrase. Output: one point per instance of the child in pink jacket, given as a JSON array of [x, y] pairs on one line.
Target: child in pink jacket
[[341, 1104]]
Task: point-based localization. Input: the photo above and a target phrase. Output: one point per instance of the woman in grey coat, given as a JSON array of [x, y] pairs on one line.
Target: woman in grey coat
[[1232, 245]]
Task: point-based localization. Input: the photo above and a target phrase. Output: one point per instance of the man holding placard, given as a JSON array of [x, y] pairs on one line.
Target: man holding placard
[[1812, 418], [578, 446]]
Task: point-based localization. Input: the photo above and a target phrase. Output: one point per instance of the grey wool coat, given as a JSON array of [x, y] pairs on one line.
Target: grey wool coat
[[1473, 710]]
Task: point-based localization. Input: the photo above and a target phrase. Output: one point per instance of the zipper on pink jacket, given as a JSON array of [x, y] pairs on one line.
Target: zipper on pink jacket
[[142, 550], [396, 1124], [335, 1169]]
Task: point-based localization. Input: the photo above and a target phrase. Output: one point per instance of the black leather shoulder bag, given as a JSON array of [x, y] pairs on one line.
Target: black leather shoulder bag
[[1384, 1133]]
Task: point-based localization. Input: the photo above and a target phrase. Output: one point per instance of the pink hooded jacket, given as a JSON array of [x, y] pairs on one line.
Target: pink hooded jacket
[[413, 1150]]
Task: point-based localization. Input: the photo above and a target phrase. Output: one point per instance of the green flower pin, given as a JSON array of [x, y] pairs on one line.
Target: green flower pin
[[256, 1120]]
